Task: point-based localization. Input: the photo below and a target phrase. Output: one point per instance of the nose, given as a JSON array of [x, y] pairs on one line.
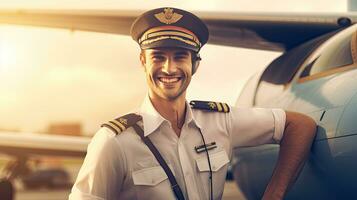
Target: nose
[[169, 66]]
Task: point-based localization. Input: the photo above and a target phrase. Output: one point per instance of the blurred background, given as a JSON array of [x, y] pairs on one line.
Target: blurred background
[[64, 82]]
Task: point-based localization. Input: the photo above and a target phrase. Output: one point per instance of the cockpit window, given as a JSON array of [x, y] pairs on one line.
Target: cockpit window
[[282, 70], [337, 54]]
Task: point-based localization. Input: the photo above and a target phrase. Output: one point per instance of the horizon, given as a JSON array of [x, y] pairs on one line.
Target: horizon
[[53, 75]]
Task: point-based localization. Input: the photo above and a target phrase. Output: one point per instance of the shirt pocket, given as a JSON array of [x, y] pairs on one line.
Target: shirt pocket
[[149, 176], [219, 165], [217, 160], [152, 183]]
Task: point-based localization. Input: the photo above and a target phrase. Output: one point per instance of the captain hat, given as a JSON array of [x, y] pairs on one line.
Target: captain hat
[[169, 27]]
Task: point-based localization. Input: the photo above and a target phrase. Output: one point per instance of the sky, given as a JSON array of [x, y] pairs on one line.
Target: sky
[[59, 76], [216, 5]]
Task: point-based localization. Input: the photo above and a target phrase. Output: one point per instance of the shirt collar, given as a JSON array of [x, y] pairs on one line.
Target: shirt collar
[[190, 118], [152, 119]]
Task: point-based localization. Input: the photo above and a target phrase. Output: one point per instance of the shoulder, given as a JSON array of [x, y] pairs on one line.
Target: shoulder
[[120, 124], [255, 114], [106, 140], [210, 113], [210, 106]]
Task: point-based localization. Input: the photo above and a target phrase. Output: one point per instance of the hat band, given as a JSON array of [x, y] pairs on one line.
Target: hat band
[[169, 31], [149, 41]]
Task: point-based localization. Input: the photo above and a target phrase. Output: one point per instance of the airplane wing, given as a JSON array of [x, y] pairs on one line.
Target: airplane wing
[[275, 32], [25, 144]]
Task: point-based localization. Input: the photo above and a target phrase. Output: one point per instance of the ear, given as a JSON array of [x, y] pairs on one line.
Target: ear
[[195, 66], [196, 63], [142, 59]]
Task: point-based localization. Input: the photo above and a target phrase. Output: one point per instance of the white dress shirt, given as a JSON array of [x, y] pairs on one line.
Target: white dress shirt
[[122, 167]]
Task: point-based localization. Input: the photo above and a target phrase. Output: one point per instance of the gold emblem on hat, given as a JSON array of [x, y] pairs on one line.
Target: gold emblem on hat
[[168, 16]]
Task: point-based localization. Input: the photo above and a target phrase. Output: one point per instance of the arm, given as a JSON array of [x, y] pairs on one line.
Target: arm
[[102, 173], [295, 146]]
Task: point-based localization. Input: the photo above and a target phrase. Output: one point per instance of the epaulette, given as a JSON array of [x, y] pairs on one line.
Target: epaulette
[[120, 124], [210, 106]]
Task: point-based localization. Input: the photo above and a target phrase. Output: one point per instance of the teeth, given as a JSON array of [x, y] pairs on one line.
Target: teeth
[[168, 80]]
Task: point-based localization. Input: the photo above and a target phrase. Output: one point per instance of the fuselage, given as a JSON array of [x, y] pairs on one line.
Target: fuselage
[[317, 78]]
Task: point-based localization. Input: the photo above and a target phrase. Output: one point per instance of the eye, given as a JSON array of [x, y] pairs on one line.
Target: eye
[[157, 58], [180, 57]]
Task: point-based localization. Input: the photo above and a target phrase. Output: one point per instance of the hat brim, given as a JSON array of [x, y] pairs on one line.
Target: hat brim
[[169, 43]]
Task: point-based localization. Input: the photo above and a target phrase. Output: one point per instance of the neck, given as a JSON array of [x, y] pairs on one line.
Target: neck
[[172, 110]]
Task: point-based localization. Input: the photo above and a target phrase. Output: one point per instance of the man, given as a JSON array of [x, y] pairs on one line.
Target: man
[[189, 145]]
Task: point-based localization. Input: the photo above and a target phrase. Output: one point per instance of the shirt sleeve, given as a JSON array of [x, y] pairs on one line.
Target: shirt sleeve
[[102, 173], [255, 126]]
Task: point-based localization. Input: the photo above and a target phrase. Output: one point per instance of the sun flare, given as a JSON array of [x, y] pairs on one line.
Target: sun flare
[[7, 49]]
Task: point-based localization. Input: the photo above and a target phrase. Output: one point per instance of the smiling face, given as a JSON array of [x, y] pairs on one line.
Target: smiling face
[[168, 72]]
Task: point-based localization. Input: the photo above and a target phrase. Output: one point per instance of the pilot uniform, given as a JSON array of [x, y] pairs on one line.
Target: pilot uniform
[[119, 165]]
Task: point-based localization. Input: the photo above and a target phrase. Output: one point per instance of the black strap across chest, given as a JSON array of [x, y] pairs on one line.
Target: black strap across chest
[[175, 187], [120, 124]]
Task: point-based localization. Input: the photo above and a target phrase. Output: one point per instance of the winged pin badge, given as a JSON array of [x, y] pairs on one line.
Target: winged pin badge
[[168, 16]]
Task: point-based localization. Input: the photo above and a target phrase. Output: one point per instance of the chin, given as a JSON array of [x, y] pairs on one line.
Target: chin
[[171, 96]]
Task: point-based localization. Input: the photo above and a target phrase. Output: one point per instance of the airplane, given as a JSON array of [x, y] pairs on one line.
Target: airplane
[[314, 75], [24, 147], [317, 78]]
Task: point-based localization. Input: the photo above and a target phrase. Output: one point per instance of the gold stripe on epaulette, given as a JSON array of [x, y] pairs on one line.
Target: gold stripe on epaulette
[[121, 126], [111, 127], [210, 106], [115, 126], [219, 107], [225, 107]]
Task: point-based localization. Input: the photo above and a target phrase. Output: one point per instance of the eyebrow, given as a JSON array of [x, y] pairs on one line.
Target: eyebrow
[[181, 53], [156, 52]]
